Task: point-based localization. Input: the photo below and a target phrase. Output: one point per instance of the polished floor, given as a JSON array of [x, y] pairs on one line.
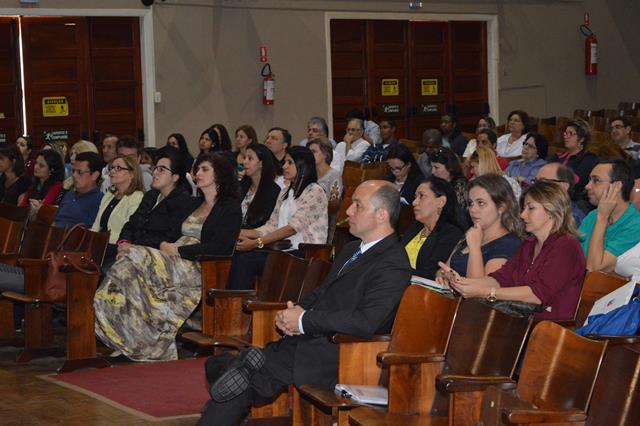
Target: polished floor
[[27, 400]]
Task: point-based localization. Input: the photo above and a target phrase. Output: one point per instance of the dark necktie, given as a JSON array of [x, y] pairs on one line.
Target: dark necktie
[[352, 259]]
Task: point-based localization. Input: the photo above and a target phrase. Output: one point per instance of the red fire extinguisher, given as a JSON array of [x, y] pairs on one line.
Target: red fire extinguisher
[[268, 85], [590, 48]]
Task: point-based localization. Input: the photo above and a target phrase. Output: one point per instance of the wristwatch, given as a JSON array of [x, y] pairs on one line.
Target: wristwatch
[[260, 243], [492, 295]]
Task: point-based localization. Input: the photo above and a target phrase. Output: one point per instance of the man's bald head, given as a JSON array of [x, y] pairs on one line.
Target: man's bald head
[[558, 173], [374, 210]]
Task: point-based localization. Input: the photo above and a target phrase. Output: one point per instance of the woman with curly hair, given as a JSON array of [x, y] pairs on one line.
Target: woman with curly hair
[[148, 293]]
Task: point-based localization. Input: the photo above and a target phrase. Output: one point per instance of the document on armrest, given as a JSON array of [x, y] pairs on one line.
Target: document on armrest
[[613, 300], [377, 395], [430, 284]]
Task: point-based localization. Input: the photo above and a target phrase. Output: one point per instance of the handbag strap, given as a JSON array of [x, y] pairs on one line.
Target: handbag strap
[[68, 234], [92, 268]]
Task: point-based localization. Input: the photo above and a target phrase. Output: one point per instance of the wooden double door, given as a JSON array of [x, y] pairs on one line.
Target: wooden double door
[[82, 77], [409, 71]]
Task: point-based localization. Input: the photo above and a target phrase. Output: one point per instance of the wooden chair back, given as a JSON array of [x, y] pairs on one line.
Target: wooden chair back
[[317, 251], [10, 233], [314, 277], [46, 213], [559, 368], [596, 285], [547, 120], [412, 145], [39, 239], [11, 212], [484, 341], [96, 244], [405, 220], [354, 174], [282, 277], [616, 397], [423, 322]]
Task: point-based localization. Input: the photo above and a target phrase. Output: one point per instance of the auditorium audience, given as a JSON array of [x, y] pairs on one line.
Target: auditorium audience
[[354, 145], [620, 129], [109, 153], [484, 161], [534, 153], [495, 235], [371, 130], [317, 127], [489, 139], [377, 153], [24, 145], [46, 185], [405, 173], [612, 228], [258, 189], [548, 268], [149, 293], [177, 140], [510, 144], [328, 178], [485, 122], [628, 263], [78, 148], [81, 203], [14, 182], [223, 137], [452, 137], [300, 216], [245, 136], [431, 141], [446, 165], [60, 147], [278, 141], [576, 137], [129, 147], [165, 204], [209, 141], [120, 201], [434, 234], [564, 176]]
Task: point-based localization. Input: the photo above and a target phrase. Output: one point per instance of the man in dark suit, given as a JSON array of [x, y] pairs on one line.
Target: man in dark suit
[[359, 297]]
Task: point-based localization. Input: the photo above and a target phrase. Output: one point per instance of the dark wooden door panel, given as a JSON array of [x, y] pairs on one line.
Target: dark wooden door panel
[[55, 52], [116, 83], [10, 100]]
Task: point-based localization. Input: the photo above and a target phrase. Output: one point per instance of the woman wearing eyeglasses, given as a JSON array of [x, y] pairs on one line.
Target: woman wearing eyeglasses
[[164, 205], [405, 173], [534, 152], [576, 137], [120, 202]]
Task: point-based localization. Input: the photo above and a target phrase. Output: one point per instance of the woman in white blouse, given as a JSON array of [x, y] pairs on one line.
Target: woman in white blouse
[[628, 263], [510, 144]]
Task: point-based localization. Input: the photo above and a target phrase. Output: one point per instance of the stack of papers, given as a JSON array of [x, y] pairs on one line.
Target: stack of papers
[[430, 284], [377, 395]]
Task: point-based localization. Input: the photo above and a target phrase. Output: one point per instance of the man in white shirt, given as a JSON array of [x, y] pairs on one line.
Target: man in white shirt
[[317, 127], [353, 147]]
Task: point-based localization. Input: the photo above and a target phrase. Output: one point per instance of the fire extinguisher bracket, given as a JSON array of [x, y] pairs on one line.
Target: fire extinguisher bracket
[[268, 85]]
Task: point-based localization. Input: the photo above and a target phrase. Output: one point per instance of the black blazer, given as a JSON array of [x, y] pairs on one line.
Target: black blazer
[[437, 247], [361, 300], [149, 226], [219, 231]]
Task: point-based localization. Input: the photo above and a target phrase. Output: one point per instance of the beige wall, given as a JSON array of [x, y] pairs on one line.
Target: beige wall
[[206, 56]]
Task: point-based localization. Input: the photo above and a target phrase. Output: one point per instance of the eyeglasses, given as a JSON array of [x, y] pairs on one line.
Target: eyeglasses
[[597, 181], [351, 130], [534, 180], [397, 169], [530, 145], [118, 169], [161, 169], [80, 172], [569, 134]]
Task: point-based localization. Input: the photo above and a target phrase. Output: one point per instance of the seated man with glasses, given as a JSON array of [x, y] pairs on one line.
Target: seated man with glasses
[[620, 129], [165, 204], [563, 176], [353, 147], [81, 204], [612, 228]]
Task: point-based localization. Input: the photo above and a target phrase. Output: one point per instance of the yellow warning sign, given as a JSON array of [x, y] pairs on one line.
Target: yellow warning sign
[[390, 87], [55, 106], [429, 86]]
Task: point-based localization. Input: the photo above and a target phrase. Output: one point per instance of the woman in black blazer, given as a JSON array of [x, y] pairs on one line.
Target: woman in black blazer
[[405, 173], [435, 233], [149, 293]]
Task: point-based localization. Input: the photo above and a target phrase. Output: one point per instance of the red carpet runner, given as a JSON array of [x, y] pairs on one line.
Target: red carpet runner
[[153, 391]]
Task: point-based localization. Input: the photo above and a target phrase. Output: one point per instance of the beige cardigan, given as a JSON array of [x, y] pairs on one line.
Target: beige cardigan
[[120, 214]]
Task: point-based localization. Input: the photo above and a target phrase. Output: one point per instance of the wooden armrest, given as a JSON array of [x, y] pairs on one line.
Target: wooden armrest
[[214, 293], [458, 383], [326, 397], [615, 340], [211, 257], [257, 305], [8, 258], [19, 297], [32, 262], [566, 323], [345, 338], [529, 416], [391, 358]]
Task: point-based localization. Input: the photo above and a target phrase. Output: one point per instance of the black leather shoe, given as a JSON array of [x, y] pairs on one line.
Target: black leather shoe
[[237, 377]]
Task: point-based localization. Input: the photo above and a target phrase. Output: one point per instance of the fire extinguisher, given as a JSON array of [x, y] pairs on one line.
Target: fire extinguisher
[[590, 48], [268, 85]]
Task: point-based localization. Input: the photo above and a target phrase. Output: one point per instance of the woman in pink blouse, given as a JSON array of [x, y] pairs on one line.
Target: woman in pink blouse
[[549, 267]]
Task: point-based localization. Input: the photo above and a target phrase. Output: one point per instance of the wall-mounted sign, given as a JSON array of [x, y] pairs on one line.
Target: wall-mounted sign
[[55, 135], [429, 108], [429, 86], [390, 87], [55, 106], [391, 108]]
